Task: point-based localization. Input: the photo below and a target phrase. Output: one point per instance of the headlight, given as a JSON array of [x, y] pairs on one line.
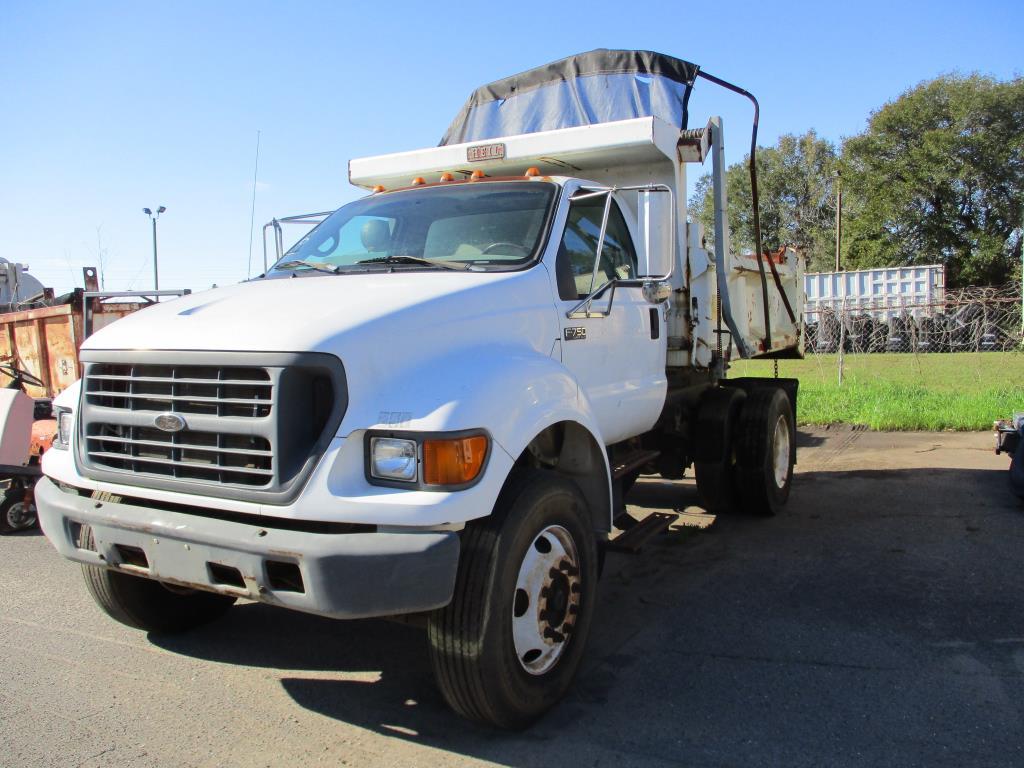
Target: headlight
[[65, 424], [428, 461], [393, 459]]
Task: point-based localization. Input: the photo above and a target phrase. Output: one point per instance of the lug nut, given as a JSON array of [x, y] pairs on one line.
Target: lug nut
[[554, 634]]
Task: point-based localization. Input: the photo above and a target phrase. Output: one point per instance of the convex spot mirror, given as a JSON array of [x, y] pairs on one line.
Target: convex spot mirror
[[656, 291]]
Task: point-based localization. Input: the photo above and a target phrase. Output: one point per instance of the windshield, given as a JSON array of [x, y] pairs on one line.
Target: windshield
[[478, 226]]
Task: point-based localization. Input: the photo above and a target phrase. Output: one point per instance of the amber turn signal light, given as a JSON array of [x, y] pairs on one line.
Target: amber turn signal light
[[453, 462]]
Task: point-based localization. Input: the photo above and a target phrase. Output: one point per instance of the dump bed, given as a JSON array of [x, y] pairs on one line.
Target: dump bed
[[45, 341]]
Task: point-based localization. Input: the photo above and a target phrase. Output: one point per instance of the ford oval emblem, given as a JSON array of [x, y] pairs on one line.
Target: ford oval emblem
[[169, 422]]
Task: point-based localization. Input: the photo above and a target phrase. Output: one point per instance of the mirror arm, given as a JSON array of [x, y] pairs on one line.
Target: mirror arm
[[653, 285], [578, 311], [600, 237]]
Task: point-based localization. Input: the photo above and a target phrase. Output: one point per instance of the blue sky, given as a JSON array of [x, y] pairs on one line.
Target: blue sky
[[106, 108]]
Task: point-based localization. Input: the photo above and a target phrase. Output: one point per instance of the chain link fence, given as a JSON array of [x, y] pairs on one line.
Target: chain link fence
[[985, 319]]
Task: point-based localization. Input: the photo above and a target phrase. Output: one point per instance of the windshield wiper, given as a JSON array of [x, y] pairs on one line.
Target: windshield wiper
[[333, 269], [403, 259]]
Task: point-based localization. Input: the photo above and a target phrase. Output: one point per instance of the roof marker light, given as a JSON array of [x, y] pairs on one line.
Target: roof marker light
[[477, 175], [379, 188], [446, 176], [532, 171], [418, 181]]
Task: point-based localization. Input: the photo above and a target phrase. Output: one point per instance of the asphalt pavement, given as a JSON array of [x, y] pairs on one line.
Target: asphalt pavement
[[878, 621]]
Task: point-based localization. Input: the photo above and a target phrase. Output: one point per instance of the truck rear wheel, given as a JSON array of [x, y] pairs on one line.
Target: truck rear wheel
[[146, 604], [507, 647], [766, 451], [715, 463]]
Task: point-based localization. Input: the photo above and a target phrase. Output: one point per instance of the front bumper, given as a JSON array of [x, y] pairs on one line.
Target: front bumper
[[343, 575]]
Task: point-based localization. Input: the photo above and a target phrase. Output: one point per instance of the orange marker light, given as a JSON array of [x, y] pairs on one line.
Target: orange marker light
[[378, 188], [532, 171], [453, 462], [477, 174], [447, 176], [418, 181]]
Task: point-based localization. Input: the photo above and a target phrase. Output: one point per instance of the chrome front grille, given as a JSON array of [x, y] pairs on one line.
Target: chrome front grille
[[217, 391], [230, 424], [223, 458], [125, 397]]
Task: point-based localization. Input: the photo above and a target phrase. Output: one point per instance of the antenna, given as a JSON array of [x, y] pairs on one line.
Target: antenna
[[99, 256], [252, 214]]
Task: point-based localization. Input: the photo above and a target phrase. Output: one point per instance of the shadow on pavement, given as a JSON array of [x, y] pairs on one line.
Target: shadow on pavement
[[878, 621], [808, 439]]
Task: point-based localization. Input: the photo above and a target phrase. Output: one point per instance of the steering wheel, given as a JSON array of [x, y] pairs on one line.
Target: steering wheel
[[517, 246], [20, 376]]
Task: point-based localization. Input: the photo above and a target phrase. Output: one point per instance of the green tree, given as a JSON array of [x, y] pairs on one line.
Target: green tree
[[795, 186], [938, 177]]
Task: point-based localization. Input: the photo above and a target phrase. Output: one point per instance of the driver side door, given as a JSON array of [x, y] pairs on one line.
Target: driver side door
[[616, 351]]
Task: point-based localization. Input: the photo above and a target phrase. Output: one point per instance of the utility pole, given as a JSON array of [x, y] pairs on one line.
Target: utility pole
[[839, 216], [153, 217]]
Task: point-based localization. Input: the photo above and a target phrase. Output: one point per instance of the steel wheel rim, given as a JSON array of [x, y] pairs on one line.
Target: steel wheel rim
[[780, 458], [20, 516], [546, 600]]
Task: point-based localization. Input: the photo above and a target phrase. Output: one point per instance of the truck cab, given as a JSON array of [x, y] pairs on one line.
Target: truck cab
[[433, 403]]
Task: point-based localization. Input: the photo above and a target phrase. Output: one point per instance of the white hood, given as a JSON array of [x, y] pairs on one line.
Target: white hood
[[355, 316]]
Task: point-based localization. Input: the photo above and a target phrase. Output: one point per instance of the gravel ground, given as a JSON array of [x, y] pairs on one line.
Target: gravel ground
[[879, 621]]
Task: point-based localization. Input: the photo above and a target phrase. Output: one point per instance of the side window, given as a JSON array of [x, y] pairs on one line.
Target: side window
[[575, 264]]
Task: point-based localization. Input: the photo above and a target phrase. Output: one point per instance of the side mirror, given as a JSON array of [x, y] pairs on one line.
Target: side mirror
[[656, 291], [654, 215]]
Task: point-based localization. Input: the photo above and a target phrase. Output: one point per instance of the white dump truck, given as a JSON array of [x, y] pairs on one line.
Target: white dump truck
[[433, 403]]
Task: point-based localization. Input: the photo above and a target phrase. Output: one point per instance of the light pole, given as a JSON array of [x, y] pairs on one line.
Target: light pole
[[839, 215], [153, 217]]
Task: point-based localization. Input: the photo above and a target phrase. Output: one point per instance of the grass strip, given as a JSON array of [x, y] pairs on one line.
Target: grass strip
[[958, 391]]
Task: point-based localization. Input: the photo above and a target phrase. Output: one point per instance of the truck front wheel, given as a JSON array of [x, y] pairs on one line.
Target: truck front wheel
[[507, 647], [149, 605]]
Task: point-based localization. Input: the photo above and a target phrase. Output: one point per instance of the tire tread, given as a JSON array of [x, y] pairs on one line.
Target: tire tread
[[142, 603], [753, 442], [455, 632]]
